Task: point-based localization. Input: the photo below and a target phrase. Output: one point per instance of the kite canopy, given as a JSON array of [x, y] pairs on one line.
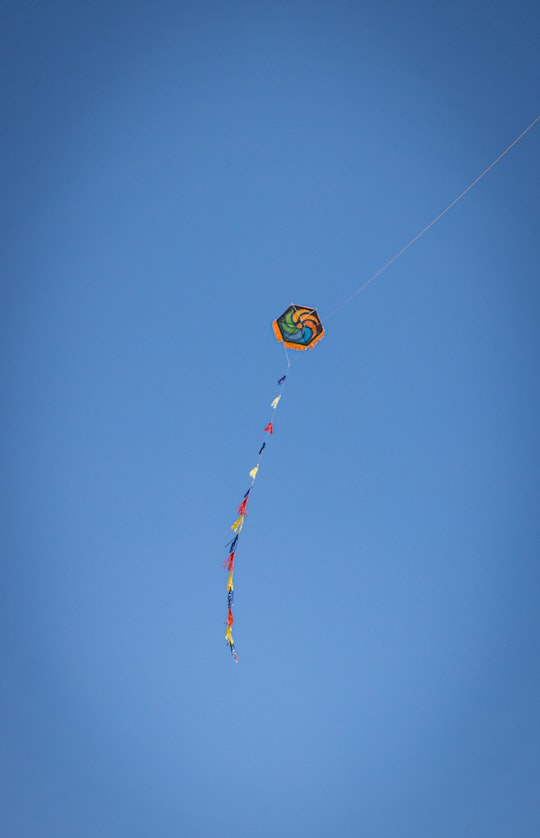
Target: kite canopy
[[298, 328]]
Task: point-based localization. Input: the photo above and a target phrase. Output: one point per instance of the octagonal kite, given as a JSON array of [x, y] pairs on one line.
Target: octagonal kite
[[298, 327]]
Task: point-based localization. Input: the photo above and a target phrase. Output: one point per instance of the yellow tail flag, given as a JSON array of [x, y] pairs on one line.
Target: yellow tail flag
[[275, 402], [230, 586], [229, 637], [253, 472], [238, 524]]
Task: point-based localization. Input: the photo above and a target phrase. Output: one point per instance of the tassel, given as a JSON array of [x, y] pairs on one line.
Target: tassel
[[238, 524], [253, 472], [269, 428], [275, 402], [282, 379], [229, 562], [242, 509], [263, 446]]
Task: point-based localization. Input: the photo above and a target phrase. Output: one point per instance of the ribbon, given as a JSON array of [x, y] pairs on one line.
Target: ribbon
[[229, 561], [242, 509], [238, 524]]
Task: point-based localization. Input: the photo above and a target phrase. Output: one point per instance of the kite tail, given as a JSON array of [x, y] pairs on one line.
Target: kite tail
[[230, 641], [242, 511]]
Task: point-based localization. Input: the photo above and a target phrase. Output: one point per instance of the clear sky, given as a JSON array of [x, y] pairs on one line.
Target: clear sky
[[174, 174]]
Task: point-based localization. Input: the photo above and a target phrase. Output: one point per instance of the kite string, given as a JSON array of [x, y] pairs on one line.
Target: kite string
[[434, 221], [287, 358]]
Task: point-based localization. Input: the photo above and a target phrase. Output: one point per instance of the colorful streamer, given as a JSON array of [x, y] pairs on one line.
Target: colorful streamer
[[237, 527]]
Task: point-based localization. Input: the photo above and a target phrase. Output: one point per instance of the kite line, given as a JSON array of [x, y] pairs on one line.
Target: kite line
[[438, 217]]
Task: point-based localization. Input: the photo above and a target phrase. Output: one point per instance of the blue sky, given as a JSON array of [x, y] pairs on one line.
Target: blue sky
[[174, 175]]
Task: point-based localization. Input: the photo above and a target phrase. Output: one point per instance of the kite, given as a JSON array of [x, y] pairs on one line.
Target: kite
[[299, 327]]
